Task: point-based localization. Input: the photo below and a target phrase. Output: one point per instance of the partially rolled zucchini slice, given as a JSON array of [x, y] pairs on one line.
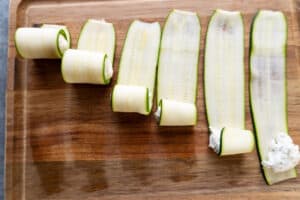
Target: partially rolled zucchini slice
[[178, 70], [137, 71], [92, 61], [98, 35], [224, 84], [268, 97], [80, 66], [38, 43]]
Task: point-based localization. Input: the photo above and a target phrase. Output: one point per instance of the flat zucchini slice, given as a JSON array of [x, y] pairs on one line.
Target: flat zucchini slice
[[98, 35], [81, 66], [137, 69], [38, 43], [268, 84], [178, 70], [224, 84]]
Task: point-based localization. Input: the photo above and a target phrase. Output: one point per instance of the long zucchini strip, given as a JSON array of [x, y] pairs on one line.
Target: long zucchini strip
[[38, 43], [224, 84], [178, 70], [137, 71], [277, 153]]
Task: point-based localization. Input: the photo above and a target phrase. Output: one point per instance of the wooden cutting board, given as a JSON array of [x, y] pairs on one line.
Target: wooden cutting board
[[63, 141]]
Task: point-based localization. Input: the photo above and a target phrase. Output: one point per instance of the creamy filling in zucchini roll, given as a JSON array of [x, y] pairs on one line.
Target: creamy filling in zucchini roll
[[134, 89]]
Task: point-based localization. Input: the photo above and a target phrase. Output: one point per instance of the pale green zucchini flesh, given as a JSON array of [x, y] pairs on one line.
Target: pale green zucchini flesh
[[38, 43], [224, 83], [81, 66], [178, 70], [98, 35], [137, 71], [268, 85]]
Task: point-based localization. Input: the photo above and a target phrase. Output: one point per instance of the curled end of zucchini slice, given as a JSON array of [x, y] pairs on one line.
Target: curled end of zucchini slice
[[80, 66], [231, 141], [55, 26], [40, 43], [62, 42], [107, 70], [175, 113], [129, 98]]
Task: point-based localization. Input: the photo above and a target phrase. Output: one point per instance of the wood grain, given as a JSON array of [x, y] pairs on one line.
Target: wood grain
[[63, 141]]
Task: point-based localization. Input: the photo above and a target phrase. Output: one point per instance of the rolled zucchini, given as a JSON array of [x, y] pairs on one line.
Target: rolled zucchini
[[175, 113], [98, 35], [80, 66], [178, 70], [277, 153], [37, 43], [137, 69], [224, 84], [229, 141], [55, 26], [131, 99]]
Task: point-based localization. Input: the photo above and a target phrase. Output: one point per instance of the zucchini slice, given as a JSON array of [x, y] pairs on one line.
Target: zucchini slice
[[55, 26], [35, 43], [178, 70], [98, 35], [224, 84], [81, 66], [137, 69], [268, 93]]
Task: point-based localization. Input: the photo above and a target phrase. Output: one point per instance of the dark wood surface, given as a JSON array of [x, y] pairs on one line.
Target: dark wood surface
[[64, 142]]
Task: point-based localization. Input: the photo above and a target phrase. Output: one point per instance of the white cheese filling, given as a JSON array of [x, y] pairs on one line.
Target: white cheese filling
[[214, 138], [283, 154]]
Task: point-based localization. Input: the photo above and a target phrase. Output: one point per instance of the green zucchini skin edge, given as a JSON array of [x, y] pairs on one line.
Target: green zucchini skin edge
[[221, 142], [204, 66], [63, 33], [159, 101], [148, 109], [250, 94]]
